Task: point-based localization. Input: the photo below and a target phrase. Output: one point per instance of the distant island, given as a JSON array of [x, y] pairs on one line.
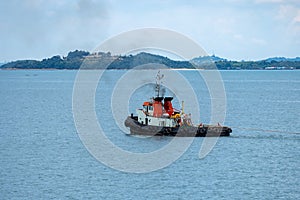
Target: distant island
[[76, 59]]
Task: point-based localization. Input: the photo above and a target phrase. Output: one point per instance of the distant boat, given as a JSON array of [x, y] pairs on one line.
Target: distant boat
[[159, 118]]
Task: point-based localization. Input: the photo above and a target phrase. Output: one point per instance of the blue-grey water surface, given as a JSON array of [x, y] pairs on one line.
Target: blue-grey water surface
[[42, 157]]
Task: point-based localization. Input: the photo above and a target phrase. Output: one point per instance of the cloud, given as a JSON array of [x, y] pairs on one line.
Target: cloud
[[39, 28], [92, 9], [231, 28], [297, 17], [258, 41], [290, 16], [278, 1], [269, 1]]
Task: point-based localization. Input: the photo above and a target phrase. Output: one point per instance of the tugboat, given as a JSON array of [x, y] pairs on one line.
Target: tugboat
[[159, 118]]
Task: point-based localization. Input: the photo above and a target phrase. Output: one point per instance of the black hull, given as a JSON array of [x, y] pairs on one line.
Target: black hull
[[183, 131]]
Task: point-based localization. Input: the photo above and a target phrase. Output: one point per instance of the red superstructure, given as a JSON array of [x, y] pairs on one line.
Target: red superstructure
[[168, 106]]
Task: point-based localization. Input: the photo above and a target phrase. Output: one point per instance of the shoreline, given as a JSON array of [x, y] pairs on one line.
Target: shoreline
[[177, 69]]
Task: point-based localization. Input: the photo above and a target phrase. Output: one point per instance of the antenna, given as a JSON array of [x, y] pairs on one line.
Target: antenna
[[158, 82]]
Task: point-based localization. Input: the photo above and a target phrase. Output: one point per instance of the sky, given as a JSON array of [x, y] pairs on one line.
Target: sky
[[232, 29]]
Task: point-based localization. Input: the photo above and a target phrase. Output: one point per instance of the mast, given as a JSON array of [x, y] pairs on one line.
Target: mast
[[158, 82]]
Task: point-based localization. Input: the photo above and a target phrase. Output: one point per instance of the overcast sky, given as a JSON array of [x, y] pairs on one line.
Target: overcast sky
[[233, 29]]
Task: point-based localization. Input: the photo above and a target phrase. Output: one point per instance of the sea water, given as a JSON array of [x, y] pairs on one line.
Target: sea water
[[42, 156]]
